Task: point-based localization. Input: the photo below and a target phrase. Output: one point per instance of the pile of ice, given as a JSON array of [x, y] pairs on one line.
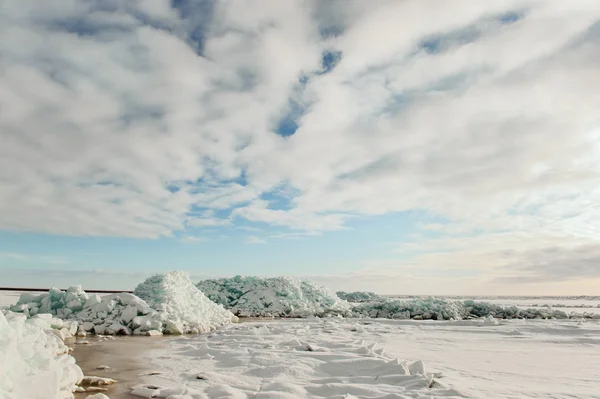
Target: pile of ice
[[175, 306], [34, 362], [274, 297], [358, 296], [56, 302], [182, 307], [445, 309], [417, 309], [483, 309]]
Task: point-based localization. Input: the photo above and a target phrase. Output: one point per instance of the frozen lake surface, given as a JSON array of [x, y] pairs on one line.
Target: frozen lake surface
[[514, 359]]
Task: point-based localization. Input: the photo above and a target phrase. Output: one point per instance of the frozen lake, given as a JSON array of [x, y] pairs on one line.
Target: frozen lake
[[514, 359], [369, 358]]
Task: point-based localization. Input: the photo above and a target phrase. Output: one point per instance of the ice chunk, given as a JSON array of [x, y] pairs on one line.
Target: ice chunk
[[92, 300], [87, 326], [97, 396], [63, 334], [97, 381], [128, 314]]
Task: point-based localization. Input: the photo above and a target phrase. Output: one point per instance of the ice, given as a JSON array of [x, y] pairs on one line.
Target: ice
[[176, 307], [446, 309], [97, 396], [292, 359], [183, 308], [97, 381], [273, 297], [419, 309], [358, 296], [34, 363]]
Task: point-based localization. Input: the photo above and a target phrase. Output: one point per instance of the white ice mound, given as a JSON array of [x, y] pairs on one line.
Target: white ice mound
[[34, 362], [273, 297], [183, 307]]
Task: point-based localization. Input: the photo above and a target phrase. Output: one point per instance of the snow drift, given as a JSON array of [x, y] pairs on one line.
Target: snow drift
[[273, 297], [34, 362], [175, 306]]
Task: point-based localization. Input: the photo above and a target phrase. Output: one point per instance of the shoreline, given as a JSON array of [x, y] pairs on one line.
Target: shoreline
[[125, 356]]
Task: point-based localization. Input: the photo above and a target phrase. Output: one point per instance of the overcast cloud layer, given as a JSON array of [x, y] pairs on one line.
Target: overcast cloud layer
[[147, 119]]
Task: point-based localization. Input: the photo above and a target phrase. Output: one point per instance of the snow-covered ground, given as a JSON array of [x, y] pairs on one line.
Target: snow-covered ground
[[330, 358]]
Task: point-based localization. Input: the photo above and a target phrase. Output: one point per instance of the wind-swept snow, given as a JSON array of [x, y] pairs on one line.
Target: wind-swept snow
[[273, 297], [345, 358], [326, 358], [34, 362]]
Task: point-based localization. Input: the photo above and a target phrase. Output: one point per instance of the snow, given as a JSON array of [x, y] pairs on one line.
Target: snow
[[312, 359], [176, 307], [185, 309], [332, 358], [34, 362], [273, 297], [509, 360]]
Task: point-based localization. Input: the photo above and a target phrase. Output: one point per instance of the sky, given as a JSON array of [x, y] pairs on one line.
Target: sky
[[396, 146]]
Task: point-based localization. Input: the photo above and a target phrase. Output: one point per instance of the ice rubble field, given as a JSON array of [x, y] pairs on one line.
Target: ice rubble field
[[288, 297], [168, 303], [358, 358], [273, 297]]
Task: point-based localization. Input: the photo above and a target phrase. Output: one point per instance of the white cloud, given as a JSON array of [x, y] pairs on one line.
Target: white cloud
[[194, 239], [32, 258], [207, 222], [254, 240], [122, 129]]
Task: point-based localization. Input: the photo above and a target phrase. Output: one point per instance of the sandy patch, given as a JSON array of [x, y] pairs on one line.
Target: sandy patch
[[124, 356]]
